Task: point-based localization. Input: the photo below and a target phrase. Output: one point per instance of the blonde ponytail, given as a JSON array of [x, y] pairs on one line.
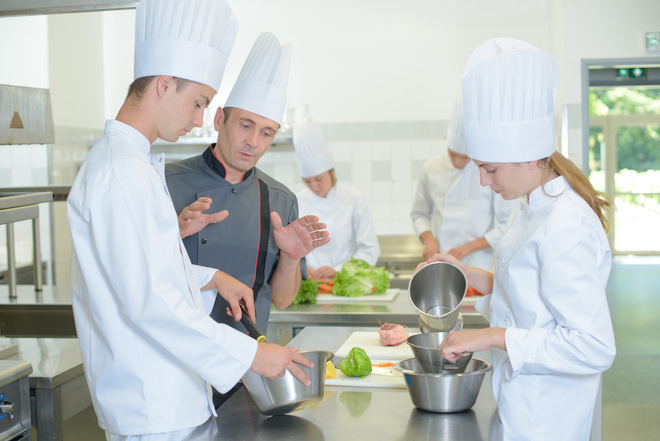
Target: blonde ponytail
[[580, 183]]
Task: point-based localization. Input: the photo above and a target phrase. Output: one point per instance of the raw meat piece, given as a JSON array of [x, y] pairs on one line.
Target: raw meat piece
[[392, 334]]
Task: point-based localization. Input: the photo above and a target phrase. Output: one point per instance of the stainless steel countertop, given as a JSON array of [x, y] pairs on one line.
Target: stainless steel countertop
[[54, 360], [352, 412]]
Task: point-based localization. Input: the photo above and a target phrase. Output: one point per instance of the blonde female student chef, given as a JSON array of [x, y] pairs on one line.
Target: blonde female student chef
[[343, 209], [550, 327]]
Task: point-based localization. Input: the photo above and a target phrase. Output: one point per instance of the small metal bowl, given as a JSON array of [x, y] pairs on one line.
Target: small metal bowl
[[287, 394], [443, 393], [425, 349]]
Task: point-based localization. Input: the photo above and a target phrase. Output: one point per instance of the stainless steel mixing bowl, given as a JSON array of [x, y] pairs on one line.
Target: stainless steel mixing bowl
[[286, 394], [444, 393], [425, 349], [436, 290]]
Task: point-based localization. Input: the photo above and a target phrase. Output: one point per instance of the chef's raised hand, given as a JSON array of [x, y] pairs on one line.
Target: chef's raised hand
[[301, 236], [192, 219], [235, 293], [274, 360]]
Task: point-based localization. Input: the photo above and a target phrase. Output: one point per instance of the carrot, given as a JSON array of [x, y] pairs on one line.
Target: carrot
[[325, 289], [385, 364]]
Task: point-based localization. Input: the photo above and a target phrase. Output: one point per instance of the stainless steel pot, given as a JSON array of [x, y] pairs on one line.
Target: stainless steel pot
[[286, 394], [436, 291], [444, 393]]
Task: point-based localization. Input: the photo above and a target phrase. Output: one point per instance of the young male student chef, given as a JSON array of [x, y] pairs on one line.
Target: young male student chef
[[452, 213], [250, 244], [145, 336]]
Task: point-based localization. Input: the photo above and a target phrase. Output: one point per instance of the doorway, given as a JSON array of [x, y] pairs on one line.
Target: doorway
[[622, 148]]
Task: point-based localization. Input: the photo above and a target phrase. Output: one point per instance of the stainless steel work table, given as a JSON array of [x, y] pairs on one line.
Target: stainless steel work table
[[58, 389], [354, 412], [285, 324]]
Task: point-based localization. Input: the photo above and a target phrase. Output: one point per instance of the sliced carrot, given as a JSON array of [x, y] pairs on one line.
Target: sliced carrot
[[385, 364]]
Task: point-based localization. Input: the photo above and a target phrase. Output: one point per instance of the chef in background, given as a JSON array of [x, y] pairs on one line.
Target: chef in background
[[343, 209], [550, 333], [452, 213], [145, 336]]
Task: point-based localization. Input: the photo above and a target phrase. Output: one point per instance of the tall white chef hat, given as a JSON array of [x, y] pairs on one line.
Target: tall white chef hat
[[312, 154], [509, 93], [186, 39], [262, 83], [456, 132]]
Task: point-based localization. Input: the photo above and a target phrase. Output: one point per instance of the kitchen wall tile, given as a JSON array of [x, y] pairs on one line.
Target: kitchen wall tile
[[401, 170], [382, 191], [360, 132], [381, 150], [401, 150], [382, 210], [363, 187], [416, 169], [381, 130], [381, 170], [403, 190], [403, 227], [284, 172], [361, 151], [401, 130], [5, 176], [362, 171], [423, 149], [383, 228], [341, 151], [344, 170]]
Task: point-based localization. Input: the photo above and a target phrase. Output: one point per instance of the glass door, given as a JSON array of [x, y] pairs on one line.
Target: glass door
[[624, 163]]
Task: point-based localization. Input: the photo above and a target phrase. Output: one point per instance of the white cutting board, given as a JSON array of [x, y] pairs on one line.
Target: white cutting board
[[379, 377], [387, 296], [370, 342]]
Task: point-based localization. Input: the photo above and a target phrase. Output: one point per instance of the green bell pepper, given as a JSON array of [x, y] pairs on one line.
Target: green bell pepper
[[356, 364]]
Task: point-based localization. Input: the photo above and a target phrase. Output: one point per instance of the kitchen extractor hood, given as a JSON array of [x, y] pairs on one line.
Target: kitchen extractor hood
[[44, 7], [26, 116]]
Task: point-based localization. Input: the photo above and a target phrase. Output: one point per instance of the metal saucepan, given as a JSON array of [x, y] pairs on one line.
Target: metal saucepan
[[285, 394], [436, 291]]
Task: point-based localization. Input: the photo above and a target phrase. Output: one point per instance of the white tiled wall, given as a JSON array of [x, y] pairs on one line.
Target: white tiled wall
[[374, 159]]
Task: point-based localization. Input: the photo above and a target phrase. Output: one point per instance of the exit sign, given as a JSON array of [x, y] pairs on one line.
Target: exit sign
[[630, 73], [653, 41]]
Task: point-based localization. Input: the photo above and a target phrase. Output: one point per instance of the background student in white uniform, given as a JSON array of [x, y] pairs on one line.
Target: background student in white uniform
[[143, 326], [452, 213], [344, 210], [550, 328]]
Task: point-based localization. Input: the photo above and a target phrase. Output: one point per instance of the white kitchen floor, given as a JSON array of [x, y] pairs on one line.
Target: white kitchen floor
[[631, 388]]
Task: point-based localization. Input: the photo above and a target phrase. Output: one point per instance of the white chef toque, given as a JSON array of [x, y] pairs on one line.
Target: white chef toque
[[261, 85], [188, 39], [509, 93], [312, 154], [456, 132]]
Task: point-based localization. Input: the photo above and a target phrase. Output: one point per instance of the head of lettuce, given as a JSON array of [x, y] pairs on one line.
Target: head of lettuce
[[358, 278]]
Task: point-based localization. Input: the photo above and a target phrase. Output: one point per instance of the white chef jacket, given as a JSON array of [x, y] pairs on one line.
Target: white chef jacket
[[452, 205], [148, 346], [551, 269], [346, 213]]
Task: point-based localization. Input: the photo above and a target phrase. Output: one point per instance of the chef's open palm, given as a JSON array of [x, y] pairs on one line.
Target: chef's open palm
[[301, 236], [274, 360], [193, 220]]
